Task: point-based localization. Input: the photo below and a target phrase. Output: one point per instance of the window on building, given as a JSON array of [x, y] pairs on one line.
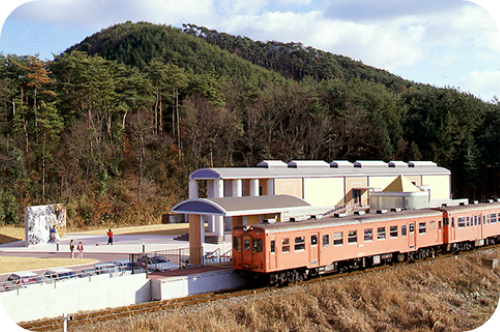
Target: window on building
[[285, 245], [403, 230], [338, 239], [352, 237], [257, 245], [421, 228], [432, 225], [314, 240], [273, 247], [381, 233], [461, 222], [326, 240], [393, 231], [300, 243], [368, 234]]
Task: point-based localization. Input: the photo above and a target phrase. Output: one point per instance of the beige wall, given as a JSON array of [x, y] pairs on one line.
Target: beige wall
[[415, 178], [252, 220], [381, 181], [263, 184], [236, 221], [355, 182], [440, 186], [324, 192], [289, 187]]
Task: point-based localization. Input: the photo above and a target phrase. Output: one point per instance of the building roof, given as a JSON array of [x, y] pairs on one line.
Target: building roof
[[238, 206], [366, 169], [401, 185]]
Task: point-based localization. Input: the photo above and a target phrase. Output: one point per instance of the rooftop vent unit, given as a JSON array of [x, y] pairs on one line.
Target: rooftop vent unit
[[307, 163], [463, 203], [340, 215], [396, 210], [382, 211], [271, 164], [369, 163], [421, 164], [397, 164], [341, 164], [359, 213]]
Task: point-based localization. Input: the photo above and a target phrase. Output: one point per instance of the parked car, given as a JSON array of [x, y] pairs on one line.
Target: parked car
[[156, 263], [57, 274], [85, 273], [104, 268], [21, 279]]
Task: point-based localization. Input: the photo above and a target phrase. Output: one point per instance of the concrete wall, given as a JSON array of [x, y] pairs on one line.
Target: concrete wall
[[70, 296], [177, 287], [324, 192], [289, 187], [440, 186]]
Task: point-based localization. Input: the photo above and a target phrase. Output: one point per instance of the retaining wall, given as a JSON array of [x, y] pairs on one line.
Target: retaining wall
[[73, 295]]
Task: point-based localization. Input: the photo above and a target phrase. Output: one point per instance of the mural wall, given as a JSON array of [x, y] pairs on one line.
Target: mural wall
[[39, 220]]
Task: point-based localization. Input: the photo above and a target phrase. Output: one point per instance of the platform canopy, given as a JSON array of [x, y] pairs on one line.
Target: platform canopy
[[240, 206]]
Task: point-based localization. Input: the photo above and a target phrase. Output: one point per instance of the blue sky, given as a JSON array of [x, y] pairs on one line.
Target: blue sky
[[445, 43]]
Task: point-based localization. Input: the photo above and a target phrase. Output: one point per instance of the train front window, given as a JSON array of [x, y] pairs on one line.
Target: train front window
[[236, 243], [257, 245], [246, 244]]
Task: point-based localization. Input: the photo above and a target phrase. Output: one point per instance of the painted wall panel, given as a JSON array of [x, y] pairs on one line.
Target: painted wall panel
[[380, 182], [324, 192], [39, 220], [289, 187], [440, 186], [252, 220]]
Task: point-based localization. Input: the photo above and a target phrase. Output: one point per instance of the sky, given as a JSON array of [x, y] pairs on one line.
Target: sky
[[446, 43]]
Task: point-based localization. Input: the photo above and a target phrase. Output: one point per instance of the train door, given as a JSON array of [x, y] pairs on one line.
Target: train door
[[246, 251], [478, 227], [272, 253], [314, 250], [411, 235]]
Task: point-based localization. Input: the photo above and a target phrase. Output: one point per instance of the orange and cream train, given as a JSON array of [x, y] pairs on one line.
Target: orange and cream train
[[292, 251]]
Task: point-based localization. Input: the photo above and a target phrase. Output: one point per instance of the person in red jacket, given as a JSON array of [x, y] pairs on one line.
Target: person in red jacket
[[110, 237]]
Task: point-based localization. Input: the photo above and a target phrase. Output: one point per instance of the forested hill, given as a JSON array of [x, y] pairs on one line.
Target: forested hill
[[114, 125], [137, 44]]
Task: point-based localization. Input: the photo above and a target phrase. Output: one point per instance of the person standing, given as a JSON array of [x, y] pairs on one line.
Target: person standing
[[80, 250], [110, 237], [53, 234], [71, 248]]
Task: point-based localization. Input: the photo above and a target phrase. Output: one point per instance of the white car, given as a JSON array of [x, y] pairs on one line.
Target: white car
[[21, 279], [156, 263], [57, 274]]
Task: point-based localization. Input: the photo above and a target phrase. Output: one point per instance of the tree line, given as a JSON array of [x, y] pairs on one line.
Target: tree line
[[115, 139]]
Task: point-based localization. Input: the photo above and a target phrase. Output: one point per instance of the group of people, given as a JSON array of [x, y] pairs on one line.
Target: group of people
[[79, 247]]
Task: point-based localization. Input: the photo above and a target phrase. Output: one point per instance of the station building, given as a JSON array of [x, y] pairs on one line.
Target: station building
[[275, 191]]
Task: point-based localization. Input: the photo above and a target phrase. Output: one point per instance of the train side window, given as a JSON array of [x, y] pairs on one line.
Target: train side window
[[393, 231], [246, 244], [468, 221], [432, 225], [368, 234], [273, 247], [236, 243], [421, 228], [300, 243], [487, 218], [381, 233], [338, 238], [412, 228], [352, 237], [439, 224], [326, 240], [314, 240], [493, 218], [484, 219], [479, 220], [403, 230], [285, 245], [452, 222], [461, 222], [257, 245], [475, 220]]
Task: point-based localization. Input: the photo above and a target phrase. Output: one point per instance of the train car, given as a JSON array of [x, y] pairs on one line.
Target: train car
[[291, 251], [470, 226]]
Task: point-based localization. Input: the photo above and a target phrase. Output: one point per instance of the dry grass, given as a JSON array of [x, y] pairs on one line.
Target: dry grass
[[10, 264], [446, 295], [11, 233]]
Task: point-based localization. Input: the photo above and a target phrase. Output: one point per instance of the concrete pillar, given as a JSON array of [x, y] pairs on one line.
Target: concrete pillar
[[245, 220], [237, 188], [218, 188], [193, 189], [211, 223], [195, 239], [210, 189], [219, 228], [270, 186], [254, 187]]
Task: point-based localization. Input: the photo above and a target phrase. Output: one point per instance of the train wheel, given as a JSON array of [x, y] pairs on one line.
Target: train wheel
[[401, 258]]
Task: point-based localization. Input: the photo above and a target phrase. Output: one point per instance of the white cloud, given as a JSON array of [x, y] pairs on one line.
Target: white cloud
[[294, 2], [485, 84]]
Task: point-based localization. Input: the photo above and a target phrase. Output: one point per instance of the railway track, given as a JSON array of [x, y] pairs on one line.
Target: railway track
[[144, 308]]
